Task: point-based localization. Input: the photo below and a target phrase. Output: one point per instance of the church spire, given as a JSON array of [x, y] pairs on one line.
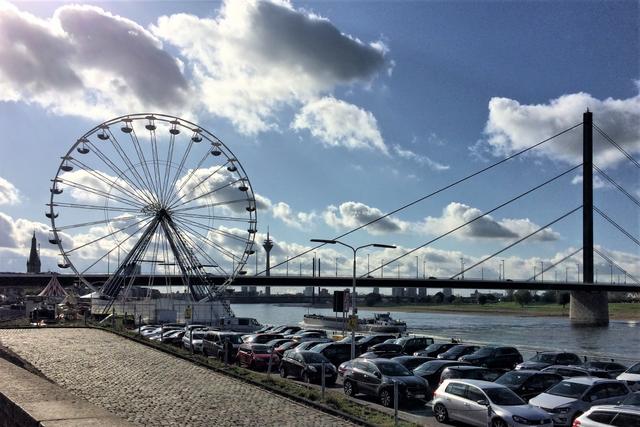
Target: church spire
[[33, 264]]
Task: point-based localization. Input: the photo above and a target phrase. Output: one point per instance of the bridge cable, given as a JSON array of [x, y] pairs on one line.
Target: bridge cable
[[616, 225], [513, 199], [446, 187], [609, 260], [555, 263], [615, 144], [517, 241], [619, 187]]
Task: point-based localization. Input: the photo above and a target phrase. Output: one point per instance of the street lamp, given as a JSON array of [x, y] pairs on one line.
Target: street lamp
[[354, 309]]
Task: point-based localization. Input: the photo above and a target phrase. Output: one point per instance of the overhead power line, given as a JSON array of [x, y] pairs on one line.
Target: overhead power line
[[517, 241], [446, 187], [513, 199]]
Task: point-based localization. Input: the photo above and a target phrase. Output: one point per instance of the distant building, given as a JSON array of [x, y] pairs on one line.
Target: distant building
[[397, 292], [308, 291], [447, 292], [422, 292], [376, 290], [33, 263], [411, 292], [267, 245]]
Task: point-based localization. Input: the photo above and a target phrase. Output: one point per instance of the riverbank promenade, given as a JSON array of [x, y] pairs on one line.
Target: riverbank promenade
[[148, 387]]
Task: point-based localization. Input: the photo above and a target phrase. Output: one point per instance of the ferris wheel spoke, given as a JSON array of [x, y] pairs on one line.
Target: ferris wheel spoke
[[119, 244], [156, 164], [215, 230], [167, 168], [208, 193], [106, 235], [191, 174], [172, 193], [86, 224], [123, 200], [143, 161], [102, 177], [218, 217], [210, 205], [105, 159], [92, 207], [144, 191], [214, 264], [202, 181], [219, 248]]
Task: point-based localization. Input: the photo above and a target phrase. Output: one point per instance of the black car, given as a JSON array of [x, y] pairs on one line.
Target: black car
[[435, 349], [307, 365], [386, 347], [432, 369], [381, 354], [470, 372], [412, 344], [613, 369], [411, 362], [528, 384], [456, 352], [334, 351], [494, 357], [576, 371], [376, 378], [364, 343], [548, 358], [213, 344]]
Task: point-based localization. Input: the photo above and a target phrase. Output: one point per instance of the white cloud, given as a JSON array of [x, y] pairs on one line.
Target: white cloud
[[597, 181], [512, 126], [255, 57], [9, 194], [299, 220], [418, 158], [354, 214], [85, 61], [338, 123], [456, 214]]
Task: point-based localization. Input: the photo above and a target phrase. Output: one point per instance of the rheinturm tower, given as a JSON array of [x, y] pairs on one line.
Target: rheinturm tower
[[268, 245], [33, 263]]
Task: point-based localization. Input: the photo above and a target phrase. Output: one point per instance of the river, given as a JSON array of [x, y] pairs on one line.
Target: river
[[620, 340]]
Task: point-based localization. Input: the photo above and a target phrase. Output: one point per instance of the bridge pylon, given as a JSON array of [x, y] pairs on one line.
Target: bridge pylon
[[588, 308]]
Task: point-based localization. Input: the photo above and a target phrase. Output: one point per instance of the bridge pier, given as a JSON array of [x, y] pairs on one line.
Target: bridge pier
[[589, 308]]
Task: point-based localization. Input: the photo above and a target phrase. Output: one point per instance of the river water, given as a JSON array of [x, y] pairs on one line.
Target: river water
[[620, 340]]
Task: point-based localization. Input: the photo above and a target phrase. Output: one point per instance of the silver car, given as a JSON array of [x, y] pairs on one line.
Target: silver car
[[482, 403], [607, 415], [570, 398]]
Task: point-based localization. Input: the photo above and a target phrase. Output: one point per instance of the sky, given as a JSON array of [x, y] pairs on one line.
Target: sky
[[338, 113]]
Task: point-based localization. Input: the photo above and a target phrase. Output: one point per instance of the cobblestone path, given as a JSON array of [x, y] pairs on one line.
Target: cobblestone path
[[148, 387]]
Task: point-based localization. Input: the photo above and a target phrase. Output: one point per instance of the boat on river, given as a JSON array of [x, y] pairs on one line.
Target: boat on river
[[380, 322]]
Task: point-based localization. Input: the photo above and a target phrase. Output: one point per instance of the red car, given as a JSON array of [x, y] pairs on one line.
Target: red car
[[256, 356]]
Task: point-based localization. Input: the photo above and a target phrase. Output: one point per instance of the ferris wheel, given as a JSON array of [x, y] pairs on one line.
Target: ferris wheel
[[152, 196]]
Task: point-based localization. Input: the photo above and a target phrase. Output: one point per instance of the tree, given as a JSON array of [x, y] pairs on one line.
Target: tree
[[451, 299], [438, 298], [372, 299], [549, 297], [523, 297], [564, 298], [482, 299]]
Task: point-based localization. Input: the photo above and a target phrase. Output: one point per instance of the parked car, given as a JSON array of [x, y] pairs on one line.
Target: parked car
[[494, 357], [214, 341], [256, 356], [347, 339], [528, 383], [308, 336], [457, 351], [376, 377], [613, 369], [282, 348], [334, 351], [435, 349], [277, 342], [547, 358], [411, 362], [412, 344], [568, 399], [261, 338], [632, 399], [307, 365], [432, 369], [195, 337], [471, 401], [470, 372], [194, 326], [386, 347], [381, 354], [363, 344], [308, 345], [575, 371], [631, 376], [609, 415]]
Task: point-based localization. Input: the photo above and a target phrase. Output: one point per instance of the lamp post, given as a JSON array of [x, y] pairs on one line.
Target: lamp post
[[354, 309]]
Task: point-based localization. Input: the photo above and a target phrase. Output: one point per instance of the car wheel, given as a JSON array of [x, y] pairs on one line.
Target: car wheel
[[440, 413], [386, 398], [349, 388], [498, 422], [283, 372]]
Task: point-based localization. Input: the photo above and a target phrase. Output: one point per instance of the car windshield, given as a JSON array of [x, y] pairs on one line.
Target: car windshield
[[568, 389], [428, 367], [503, 396], [261, 349], [198, 335], [486, 351], [635, 369], [512, 378], [433, 347], [632, 399], [314, 358], [393, 369], [235, 339], [543, 358]]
